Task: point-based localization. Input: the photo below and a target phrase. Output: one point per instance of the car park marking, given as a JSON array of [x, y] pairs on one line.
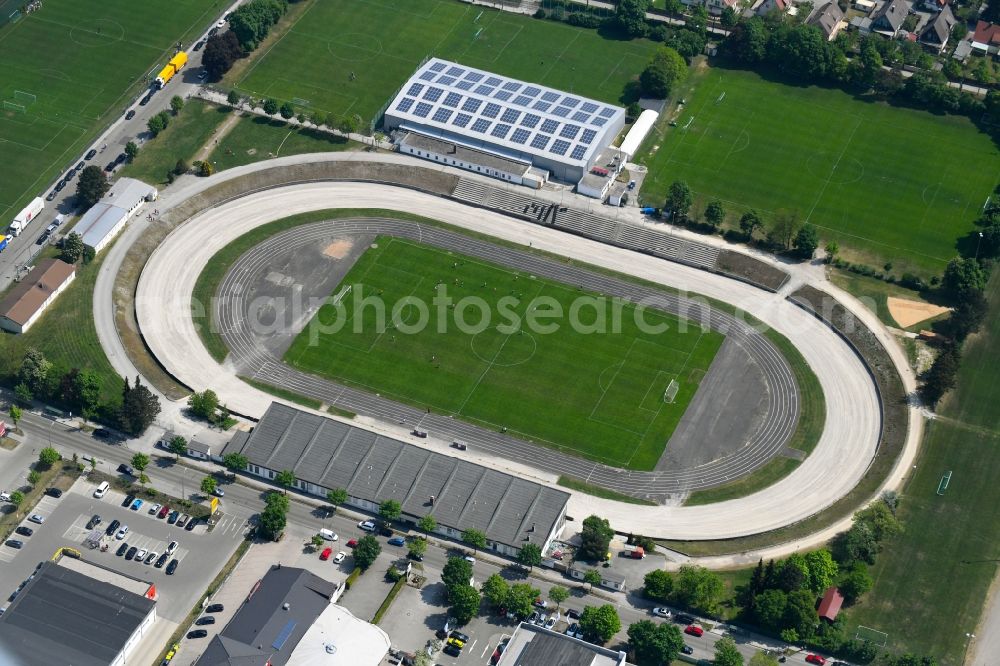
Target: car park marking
[[7, 554]]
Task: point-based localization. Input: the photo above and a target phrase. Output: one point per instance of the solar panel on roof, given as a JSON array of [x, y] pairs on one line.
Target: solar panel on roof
[[578, 152], [570, 102], [559, 147], [474, 76], [464, 85], [503, 95], [442, 115], [588, 136], [500, 131], [446, 80], [510, 116], [581, 117], [541, 106], [540, 141], [493, 81], [531, 91], [461, 120], [598, 121], [415, 89], [452, 99], [279, 642], [433, 94], [437, 67], [456, 71], [522, 100], [607, 112], [480, 125], [423, 108], [484, 90], [512, 86], [549, 126], [550, 96], [530, 120], [405, 104], [428, 76], [520, 135], [472, 105], [588, 107], [560, 111], [491, 110], [569, 131]]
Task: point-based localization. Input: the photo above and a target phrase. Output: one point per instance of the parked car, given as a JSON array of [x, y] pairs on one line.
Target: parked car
[[53, 492], [136, 505], [153, 510], [60, 186], [215, 608], [51, 196], [325, 555], [122, 549], [112, 527], [172, 567], [541, 603], [128, 500], [416, 557], [456, 642], [122, 532], [574, 631], [693, 630], [540, 620], [683, 618], [661, 612], [397, 541], [190, 525], [549, 623], [197, 47], [151, 557], [90, 154], [161, 560], [459, 636], [131, 553], [109, 168], [815, 659], [36, 518], [452, 650], [164, 510], [687, 649], [174, 515], [573, 613], [351, 543], [470, 559], [141, 554], [14, 543], [219, 492], [197, 633], [171, 547], [41, 239], [94, 521], [205, 619], [182, 520], [533, 618], [122, 469], [80, 165], [145, 100], [367, 525], [121, 158], [130, 115], [339, 557], [24, 531]]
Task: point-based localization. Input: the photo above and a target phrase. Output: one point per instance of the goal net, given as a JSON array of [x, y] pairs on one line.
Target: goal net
[[11, 106], [671, 393], [24, 98], [873, 636]]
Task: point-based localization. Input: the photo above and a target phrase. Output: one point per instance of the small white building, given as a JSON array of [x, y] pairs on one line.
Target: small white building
[[107, 217], [30, 297], [199, 450], [609, 579], [638, 132]]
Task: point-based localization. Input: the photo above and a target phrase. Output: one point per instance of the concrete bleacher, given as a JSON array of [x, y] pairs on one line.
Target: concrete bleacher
[[590, 225]]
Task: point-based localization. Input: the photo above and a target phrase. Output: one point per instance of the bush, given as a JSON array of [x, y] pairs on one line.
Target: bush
[[351, 579]]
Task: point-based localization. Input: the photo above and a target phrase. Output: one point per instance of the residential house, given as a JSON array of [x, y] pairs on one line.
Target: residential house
[[829, 605], [26, 302], [199, 450], [889, 19], [714, 7], [829, 18], [938, 31], [768, 6], [986, 39]]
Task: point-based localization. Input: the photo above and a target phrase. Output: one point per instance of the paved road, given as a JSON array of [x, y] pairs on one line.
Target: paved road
[[839, 460]]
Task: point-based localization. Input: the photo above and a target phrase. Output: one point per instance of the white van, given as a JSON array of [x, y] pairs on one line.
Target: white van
[[102, 490], [329, 535]]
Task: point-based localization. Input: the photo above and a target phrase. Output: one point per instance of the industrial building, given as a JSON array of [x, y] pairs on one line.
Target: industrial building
[[538, 132], [74, 612], [324, 454], [107, 217], [536, 646], [290, 617], [24, 304]]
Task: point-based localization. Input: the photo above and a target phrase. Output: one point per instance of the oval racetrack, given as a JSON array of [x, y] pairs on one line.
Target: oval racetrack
[[839, 460]]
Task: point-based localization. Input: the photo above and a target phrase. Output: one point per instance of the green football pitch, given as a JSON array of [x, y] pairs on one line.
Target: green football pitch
[[383, 42], [891, 184], [68, 69], [600, 395]]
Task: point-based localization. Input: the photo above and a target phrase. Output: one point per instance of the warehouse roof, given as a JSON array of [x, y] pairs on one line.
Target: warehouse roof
[[519, 116], [105, 215], [373, 467], [65, 617], [536, 646], [24, 300]]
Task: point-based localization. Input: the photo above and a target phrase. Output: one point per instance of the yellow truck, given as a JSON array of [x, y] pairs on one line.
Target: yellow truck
[[175, 65]]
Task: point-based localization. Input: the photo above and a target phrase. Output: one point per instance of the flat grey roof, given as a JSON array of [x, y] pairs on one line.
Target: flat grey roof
[[374, 467], [200, 447], [103, 216], [65, 617], [457, 151], [535, 646]]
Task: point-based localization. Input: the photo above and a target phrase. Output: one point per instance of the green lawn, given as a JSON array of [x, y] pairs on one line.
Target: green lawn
[[187, 133], [254, 138], [931, 582], [600, 395], [382, 43], [889, 184], [73, 66]]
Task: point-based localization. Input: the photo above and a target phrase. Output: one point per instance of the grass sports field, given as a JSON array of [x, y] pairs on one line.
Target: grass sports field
[[383, 42], [894, 184], [600, 395], [67, 70]]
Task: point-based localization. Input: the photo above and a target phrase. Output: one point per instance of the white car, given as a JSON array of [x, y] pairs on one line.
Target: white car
[[35, 518], [140, 555], [171, 547], [4, 496], [470, 559], [339, 557], [122, 532], [153, 510], [367, 525], [661, 612]]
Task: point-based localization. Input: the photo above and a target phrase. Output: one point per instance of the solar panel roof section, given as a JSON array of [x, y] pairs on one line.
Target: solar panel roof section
[[480, 95]]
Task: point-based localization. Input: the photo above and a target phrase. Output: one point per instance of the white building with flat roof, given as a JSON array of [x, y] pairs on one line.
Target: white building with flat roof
[[107, 217]]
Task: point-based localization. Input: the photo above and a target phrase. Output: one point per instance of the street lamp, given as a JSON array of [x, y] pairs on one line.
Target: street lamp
[[978, 243]]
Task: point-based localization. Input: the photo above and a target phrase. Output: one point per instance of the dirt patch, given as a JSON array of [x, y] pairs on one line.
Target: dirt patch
[[338, 249], [218, 134], [748, 269], [909, 313]]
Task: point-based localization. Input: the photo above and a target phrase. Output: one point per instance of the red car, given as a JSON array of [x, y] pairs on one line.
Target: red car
[[163, 512], [325, 555], [815, 659], [693, 630], [352, 543]]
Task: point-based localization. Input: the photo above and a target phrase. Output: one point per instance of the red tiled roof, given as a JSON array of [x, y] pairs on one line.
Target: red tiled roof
[[987, 33], [831, 603]]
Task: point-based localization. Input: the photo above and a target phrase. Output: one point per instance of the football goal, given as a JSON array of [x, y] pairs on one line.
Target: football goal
[[24, 98], [671, 393], [14, 107]]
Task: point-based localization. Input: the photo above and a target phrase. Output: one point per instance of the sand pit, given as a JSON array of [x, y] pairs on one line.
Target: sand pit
[[909, 313], [338, 249]]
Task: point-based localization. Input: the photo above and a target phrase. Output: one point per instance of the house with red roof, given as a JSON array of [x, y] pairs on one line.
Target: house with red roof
[[986, 38], [830, 604]]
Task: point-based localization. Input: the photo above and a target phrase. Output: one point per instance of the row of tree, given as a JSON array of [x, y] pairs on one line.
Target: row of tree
[[249, 25]]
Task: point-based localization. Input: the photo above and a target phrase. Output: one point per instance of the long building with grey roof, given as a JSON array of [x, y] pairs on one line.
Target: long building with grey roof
[[325, 454]]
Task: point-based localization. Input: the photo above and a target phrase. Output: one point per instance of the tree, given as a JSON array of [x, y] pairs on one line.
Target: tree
[[729, 18], [679, 199], [176, 104], [15, 415], [762, 659], [285, 478], [181, 167], [209, 484], [251, 21], [138, 410], [806, 241], [750, 222], [34, 477], [131, 150], [599, 624], [390, 510], [204, 404], [221, 51], [72, 248], [530, 555], [234, 99], [427, 524], [769, 608], [457, 572], [595, 538], [688, 43], [666, 68], [140, 461], [822, 570], [235, 462], [16, 498], [715, 214], [91, 186], [630, 17], [942, 375], [417, 547], [86, 386], [34, 370], [347, 125], [273, 521], [783, 229], [158, 123], [654, 644], [496, 591], [336, 497], [698, 588], [205, 168], [367, 551], [963, 277], [23, 394], [657, 585], [520, 600], [856, 583], [48, 457], [270, 106], [592, 577], [287, 111], [558, 594], [475, 538], [464, 603], [800, 613], [316, 541], [177, 446], [747, 42], [278, 500], [726, 653]]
